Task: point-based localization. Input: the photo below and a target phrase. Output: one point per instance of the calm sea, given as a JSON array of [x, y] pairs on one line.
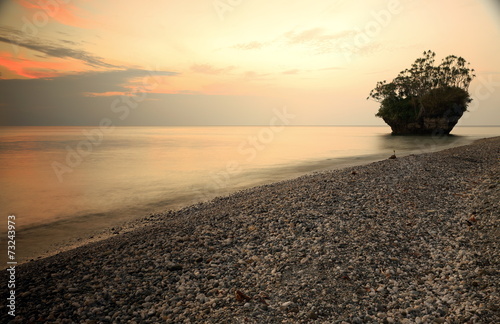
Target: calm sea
[[65, 183]]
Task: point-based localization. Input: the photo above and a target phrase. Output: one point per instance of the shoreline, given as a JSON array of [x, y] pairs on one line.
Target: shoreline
[[43, 240], [330, 245], [45, 233], [282, 173]]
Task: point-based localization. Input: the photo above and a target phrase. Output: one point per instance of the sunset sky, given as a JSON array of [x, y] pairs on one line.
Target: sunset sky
[[231, 62]]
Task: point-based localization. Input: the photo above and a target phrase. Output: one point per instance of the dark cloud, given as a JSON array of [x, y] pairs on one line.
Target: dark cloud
[[61, 102], [64, 100], [18, 38]]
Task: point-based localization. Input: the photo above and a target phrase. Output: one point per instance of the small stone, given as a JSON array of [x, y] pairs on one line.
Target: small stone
[[312, 315], [290, 306], [201, 298], [240, 296], [174, 267], [357, 320]]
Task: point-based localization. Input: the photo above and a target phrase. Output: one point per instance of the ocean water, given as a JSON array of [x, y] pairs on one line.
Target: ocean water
[[65, 183]]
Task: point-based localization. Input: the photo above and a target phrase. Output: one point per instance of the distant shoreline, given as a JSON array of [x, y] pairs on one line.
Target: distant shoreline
[[263, 125]]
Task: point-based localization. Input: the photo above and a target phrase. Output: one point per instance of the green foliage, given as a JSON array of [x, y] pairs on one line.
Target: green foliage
[[397, 109], [425, 90], [445, 100]]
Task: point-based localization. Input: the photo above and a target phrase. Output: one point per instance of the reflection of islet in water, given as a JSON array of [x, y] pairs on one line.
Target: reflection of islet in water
[[420, 144]]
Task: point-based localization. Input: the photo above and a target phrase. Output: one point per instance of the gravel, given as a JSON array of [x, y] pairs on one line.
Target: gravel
[[406, 240]]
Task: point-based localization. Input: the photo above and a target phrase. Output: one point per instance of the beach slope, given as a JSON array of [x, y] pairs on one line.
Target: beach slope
[[406, 240]]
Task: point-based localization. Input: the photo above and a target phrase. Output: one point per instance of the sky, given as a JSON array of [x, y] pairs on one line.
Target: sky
[[231, 62]]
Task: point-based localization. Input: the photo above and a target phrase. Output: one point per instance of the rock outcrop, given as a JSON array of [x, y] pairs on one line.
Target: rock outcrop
[[441, 125]]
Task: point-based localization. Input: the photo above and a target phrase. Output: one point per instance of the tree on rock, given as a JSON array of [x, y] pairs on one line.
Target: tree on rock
[[425, 99]]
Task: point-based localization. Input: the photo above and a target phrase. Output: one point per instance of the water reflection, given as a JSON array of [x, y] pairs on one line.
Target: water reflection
[[419, 144]]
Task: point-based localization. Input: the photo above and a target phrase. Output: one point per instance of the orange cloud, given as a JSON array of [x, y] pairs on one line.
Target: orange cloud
[[105, 94], [249, 83], [64, 13], [35, 69], [137, 86]]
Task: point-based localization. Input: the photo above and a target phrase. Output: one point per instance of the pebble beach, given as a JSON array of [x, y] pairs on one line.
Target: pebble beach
[[408, 240]]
